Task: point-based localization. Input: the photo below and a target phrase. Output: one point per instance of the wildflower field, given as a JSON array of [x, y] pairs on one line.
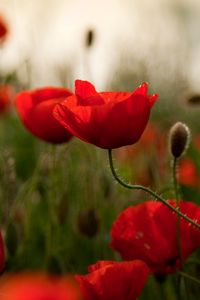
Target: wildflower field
[[99, 193]]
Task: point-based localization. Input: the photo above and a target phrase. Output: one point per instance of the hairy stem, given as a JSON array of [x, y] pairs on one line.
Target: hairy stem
[[149, 191]]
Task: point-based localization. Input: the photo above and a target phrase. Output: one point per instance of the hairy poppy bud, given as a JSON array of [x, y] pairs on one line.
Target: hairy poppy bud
[[179, 137]]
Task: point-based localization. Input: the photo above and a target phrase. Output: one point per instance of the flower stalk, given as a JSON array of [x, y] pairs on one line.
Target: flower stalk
[[147, 190]]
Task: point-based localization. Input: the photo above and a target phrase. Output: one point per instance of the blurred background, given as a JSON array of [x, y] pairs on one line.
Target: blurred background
[[114, 44]]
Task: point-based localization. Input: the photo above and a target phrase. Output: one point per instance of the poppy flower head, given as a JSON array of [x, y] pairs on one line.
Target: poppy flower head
[[108, 280], [107, 119], [148, 232], [35, 110]]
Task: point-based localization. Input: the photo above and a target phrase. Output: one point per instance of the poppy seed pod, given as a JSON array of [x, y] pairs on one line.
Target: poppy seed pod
[[179, 137]]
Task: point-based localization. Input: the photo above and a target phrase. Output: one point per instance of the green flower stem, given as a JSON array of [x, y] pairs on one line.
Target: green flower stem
[[149, 191], [178, 226], [176, 189], [188, 276]]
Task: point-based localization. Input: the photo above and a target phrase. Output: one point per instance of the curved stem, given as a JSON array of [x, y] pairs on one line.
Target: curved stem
[[148, 190]]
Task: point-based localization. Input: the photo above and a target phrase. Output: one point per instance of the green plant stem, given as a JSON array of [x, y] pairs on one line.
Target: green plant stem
[[148, 190], [188, 276], [50, 203], [178, 227]]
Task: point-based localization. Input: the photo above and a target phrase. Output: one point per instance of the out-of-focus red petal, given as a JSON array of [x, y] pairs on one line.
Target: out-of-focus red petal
[[35, 109], [35, 286], [3, 28], [48, 93], [187, 173], [114, 280]]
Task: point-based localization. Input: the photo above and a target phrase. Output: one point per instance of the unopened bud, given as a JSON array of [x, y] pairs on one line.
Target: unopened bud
[[179, 137]]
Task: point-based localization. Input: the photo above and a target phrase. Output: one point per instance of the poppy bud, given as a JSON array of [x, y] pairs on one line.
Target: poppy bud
[[179, 137]]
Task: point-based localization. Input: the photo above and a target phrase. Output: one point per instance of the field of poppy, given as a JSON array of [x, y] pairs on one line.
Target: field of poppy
[[99, 194]]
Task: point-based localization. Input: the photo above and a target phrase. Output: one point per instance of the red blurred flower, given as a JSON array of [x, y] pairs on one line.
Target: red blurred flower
[[108, 119], [35, 110], [187, 172], [3, 28], [148, 232], [6, 95], [109, 280], [38, 287]]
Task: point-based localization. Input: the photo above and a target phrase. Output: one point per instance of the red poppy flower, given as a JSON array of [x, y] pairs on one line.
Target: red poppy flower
[[37, 286], [108, 119], [3, 28], [108, 280], [35, 110], [148, 232]]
